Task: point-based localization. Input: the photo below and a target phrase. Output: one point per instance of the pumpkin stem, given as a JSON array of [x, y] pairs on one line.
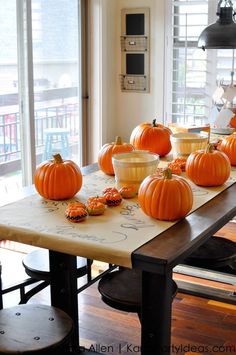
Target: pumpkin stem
[[210, 147], [154, 123], [118, 140], [167, 174], [57, 158]]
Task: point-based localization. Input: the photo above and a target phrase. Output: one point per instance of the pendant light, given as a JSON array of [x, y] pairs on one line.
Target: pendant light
[[222, 34]]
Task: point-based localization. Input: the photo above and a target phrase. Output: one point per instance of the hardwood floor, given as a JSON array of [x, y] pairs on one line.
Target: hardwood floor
[[199, 326]]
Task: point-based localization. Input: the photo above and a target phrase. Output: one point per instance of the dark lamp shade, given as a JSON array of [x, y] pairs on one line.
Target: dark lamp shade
[[220, 35]]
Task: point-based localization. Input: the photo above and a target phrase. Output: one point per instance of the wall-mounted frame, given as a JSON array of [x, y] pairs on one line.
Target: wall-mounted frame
[[135, 49]]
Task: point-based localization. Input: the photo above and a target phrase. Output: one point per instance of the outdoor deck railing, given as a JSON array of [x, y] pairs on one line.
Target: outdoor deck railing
[[47, 116]]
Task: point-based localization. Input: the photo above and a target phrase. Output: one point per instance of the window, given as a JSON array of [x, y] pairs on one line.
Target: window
[[40, 84], [194, 73]]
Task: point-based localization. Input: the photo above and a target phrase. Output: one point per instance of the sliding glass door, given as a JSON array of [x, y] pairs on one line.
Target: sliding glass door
[[40, 100]]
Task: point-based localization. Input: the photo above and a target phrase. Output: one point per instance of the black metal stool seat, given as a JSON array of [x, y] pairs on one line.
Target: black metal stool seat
[[36, 265], [216, 252], [122, 290], [33, 329]]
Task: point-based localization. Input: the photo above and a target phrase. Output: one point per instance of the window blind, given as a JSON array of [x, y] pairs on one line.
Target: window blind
[[194, 73]]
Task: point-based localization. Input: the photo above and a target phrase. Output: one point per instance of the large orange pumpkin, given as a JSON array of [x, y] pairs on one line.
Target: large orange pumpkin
[[153, 137], [106, 152], [167, 197], [208, 167], [58, 179], [228, 146]]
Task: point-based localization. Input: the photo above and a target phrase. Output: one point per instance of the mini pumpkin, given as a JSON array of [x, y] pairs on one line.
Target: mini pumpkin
[[95, 208], [208, 167], [75, 204], [101, 199], [76, 214], [128, 191], [175, 168], [181, 161], [113, 198], [58, 179], [153, 137], [106, 152], [228, 146], [109, 189], [167, 197]]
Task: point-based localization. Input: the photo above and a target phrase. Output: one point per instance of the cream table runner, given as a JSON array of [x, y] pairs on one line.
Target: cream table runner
[[111, 237]]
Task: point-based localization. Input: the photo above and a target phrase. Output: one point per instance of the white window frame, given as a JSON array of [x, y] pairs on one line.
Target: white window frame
[[26, 90], [26, 87], [211, 58]]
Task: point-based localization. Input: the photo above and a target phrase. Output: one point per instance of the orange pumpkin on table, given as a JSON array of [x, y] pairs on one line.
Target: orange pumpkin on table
[[152, 137], [76, 215], [76, 204], [95, 208], [106, 152], [228, 146], [113, 198], [167, 197], [101, 199], [109, 189], [128, 191], [58, 179], [208, 167], [175, 168]]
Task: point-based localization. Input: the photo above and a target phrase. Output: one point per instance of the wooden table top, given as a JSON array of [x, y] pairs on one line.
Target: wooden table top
[[169, 248]]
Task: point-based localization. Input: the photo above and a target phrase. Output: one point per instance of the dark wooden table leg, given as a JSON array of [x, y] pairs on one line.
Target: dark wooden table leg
[[156, 313], [64, 289]]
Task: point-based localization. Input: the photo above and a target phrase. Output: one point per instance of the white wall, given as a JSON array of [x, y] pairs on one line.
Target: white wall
[[134, 108], [115, 112]]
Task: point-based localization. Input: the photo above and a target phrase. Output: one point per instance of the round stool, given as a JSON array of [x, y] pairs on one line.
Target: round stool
[[122, 290], [56, 141], [33, 329], [216, 252], [36, 265]]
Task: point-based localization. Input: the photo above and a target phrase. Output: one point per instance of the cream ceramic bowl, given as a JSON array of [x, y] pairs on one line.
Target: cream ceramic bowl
[[131, 168], [184, 144]]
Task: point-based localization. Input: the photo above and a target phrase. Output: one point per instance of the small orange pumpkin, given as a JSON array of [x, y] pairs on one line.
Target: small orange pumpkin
[[58, 179], [106, 152], [113, 198], [153, 137], [75, 204], [128, 191], [175, 168], [181, 161], [76, 215], [208, 167], [101, 199], [228, 146], [95, 208], [109, 189], [233, 121], [167, 197]]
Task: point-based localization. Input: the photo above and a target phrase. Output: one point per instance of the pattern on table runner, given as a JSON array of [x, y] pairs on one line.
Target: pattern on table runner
[[110, 237]]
